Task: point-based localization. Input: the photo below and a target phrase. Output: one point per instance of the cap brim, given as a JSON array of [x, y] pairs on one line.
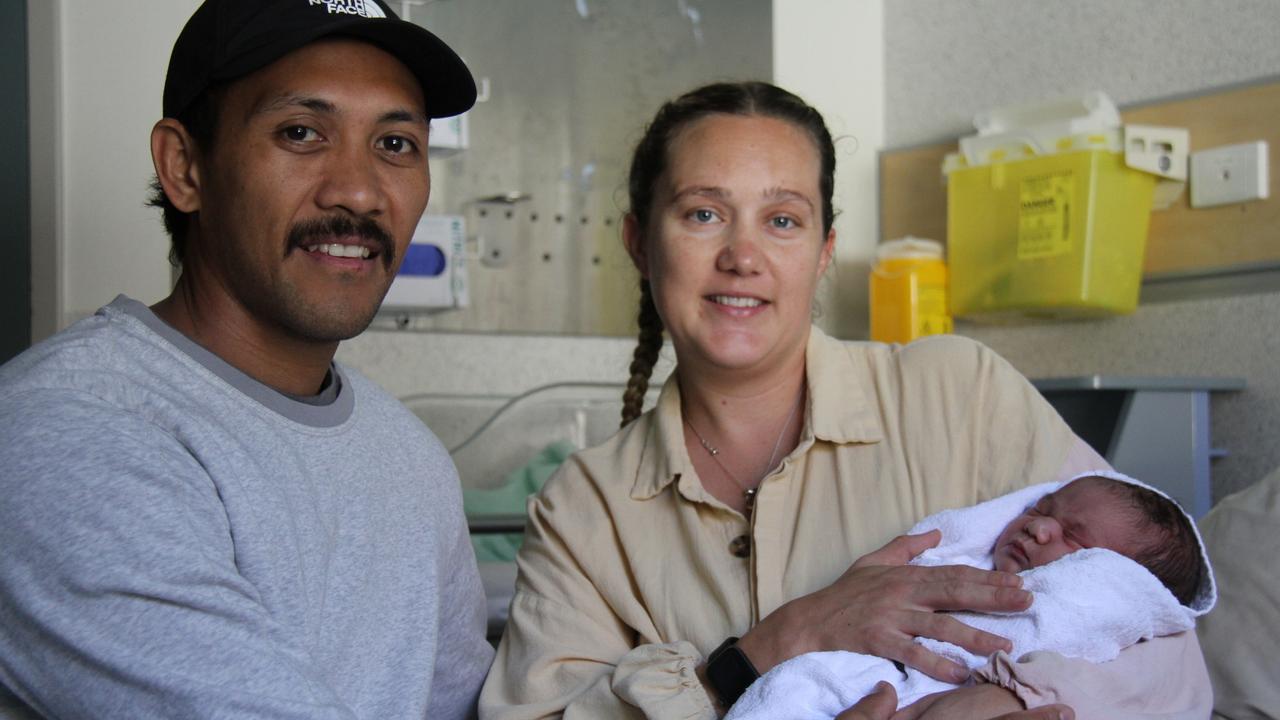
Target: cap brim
[[447, 85]]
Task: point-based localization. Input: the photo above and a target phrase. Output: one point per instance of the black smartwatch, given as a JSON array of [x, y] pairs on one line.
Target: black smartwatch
[[730, 672]]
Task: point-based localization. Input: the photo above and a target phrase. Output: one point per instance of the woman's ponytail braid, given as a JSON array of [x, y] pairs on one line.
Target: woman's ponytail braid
[[645, 357]]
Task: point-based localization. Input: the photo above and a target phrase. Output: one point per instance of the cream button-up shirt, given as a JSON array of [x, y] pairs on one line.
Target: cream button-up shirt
[[631, 572]]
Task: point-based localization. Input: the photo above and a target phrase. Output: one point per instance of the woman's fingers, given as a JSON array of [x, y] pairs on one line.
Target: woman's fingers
[[918, 708], [894, 638], [879, 705], [932, 664], [981, 701], [878, 610], [962, 574], [890, 642], [948, 629], [991, 592], [900, 644], [900, 550]]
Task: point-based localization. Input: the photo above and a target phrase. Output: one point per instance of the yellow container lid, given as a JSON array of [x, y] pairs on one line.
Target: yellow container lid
[[909, 247]]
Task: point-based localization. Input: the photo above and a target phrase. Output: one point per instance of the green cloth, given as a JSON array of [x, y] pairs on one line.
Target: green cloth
[[510, 499]]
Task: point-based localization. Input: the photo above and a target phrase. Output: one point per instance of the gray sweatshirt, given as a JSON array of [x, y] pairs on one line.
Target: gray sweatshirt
[[178, 540]]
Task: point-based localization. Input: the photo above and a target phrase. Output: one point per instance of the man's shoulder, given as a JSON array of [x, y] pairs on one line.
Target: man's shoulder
[[106, 349], [90, 379], [383, 427], [373, 402], [364, 387]]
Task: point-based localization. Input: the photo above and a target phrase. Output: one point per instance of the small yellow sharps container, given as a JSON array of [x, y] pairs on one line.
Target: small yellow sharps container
[[909, 291]]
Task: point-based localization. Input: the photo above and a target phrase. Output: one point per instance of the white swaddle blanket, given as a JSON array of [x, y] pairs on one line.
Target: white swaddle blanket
[[1090, 604]]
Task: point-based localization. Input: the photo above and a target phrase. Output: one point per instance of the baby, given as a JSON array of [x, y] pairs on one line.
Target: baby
[[1095, 511], [1109, 560]]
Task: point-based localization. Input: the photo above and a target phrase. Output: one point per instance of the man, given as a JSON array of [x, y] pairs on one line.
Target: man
[[201, 514]]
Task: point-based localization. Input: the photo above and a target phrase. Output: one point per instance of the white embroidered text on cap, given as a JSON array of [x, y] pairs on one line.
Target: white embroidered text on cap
[[363, 8]]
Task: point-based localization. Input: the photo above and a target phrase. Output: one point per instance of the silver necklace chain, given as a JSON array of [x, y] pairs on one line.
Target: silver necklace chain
[[749, 493]]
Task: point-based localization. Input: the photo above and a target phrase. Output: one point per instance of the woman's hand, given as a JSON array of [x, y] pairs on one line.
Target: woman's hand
[[879, 705], [979, 701], [880, 604]]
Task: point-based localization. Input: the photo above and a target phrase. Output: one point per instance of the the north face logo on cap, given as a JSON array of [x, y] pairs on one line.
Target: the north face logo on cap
[[363, 8]]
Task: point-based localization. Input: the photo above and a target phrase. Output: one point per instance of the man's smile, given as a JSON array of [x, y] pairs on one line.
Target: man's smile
[[351, 241], [337, 250]]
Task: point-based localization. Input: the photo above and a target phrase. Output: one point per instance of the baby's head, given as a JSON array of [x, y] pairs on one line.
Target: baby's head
[[1094, 511]]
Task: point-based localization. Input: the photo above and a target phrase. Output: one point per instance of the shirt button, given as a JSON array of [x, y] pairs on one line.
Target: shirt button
[[740, 546]]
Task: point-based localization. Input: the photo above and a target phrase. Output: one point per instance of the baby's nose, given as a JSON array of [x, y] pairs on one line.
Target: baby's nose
[[1041, 528]]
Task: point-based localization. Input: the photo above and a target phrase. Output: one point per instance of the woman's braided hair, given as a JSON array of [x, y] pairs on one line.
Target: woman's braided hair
[[646, 355], [649, 162]]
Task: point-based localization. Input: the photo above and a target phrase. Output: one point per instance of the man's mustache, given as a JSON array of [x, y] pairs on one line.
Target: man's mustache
[[313, 232]]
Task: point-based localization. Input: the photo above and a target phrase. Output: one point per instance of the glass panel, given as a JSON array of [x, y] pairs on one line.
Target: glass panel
[[490, 437], [567, 87]]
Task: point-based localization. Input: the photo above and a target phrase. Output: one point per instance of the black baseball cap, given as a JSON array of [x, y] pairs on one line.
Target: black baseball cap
[[226, 39]]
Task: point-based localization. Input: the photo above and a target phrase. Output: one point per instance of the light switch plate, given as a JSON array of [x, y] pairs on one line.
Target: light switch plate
[[1229, 174]]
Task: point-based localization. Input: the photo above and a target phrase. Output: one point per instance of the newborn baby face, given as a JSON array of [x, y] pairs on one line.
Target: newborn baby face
[[1084, 514]]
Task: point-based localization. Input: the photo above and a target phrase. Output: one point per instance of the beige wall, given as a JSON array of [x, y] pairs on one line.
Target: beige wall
[[831, 52], [100, 70]]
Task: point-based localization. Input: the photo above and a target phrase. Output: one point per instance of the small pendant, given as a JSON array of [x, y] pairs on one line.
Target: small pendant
[[750, 495]]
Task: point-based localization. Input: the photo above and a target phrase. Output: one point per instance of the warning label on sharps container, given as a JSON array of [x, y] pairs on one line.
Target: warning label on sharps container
[[1044, 215]]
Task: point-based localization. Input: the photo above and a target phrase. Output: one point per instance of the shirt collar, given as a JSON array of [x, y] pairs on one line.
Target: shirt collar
[[839, 410], [842, 398], [664, 458]]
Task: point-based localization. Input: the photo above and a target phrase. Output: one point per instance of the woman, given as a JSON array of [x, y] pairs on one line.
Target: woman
[[732, 527]]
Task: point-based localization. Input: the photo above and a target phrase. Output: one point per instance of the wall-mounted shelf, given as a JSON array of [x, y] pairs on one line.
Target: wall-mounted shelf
[[1155, 429]]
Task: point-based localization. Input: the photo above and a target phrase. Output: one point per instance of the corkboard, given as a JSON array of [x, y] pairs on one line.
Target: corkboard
[[913, 197]]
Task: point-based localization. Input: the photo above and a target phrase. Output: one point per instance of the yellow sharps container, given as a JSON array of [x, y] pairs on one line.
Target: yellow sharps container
[[909, 291]]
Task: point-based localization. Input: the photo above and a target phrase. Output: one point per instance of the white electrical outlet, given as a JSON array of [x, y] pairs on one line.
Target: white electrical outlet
[[1229, 174]]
